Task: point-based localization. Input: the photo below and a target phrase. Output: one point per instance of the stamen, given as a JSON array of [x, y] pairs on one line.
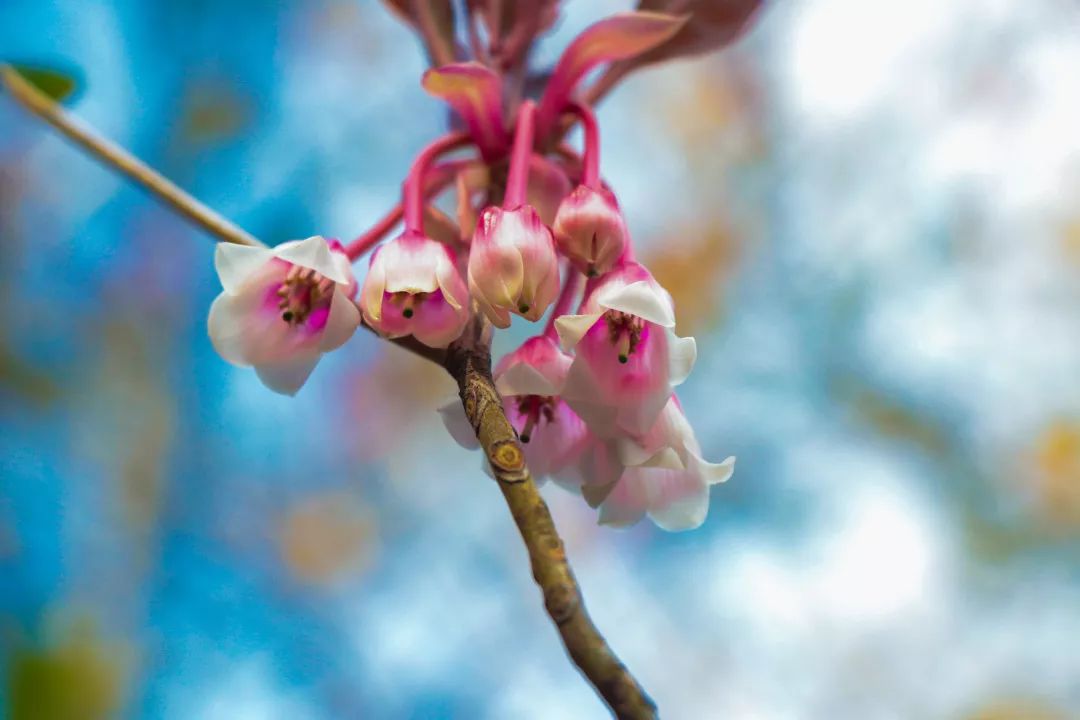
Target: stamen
[[302, 290], [523, 308], [530, 423], [407, 303]]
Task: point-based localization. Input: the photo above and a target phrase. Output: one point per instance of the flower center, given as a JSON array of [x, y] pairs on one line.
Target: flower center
[[534, 408], [302, 291], [624, 332], [408, 302]]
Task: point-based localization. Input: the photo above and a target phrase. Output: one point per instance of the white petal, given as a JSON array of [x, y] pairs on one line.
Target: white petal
[[313, 253], [626, 503], [288, 376], [371, 294], [572, 328], [716, 472], [342, 322], [236, 263], [457, 424], [684, 507], [226, 325], [682, 354], [524, 379], [632, 454], [643, 299]]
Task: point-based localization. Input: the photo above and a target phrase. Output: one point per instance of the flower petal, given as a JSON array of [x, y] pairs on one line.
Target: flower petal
[[644, 299], [632, 454], [457, 424], [572, 328], [236, 263], [682, 354], [288, 376], [371, 294], [312, 253], [548, 185], [678, 500], [523, 379], [341, 324], [715, 473]]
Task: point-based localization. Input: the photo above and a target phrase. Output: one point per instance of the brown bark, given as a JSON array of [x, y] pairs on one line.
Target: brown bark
[[469, 362]]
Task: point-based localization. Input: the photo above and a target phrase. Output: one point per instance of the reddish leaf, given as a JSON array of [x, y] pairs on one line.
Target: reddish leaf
[[712, 24], [475, 92], [618, 37], [433, 20]]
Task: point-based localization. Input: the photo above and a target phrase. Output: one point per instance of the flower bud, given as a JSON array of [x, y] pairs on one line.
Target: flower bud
[[513, 266], [413, 288], [589, 230]]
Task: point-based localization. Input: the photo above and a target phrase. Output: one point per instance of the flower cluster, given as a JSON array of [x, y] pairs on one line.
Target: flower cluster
[[592, 395]]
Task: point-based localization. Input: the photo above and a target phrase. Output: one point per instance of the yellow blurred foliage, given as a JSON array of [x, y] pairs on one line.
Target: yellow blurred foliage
[[325, 538], [1070, 240], [1018, 710], [694, 273], [79, 679], [1057, 481], [390, 395]]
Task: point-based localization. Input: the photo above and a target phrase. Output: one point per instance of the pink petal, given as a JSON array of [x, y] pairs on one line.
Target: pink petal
[[548, 185], [314, 253], [475, 93], [342, 322]]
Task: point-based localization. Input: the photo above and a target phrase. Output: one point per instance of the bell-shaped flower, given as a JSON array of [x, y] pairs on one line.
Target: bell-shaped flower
[[413, 287], [627, 358], [552, 435], [513, 266], [282, 308], [665, 477], [589, 230]]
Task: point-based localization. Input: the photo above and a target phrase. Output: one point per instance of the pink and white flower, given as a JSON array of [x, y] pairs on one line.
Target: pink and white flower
[[627, 358], [282, 308], [665, 477], [553, 437], [413, 287], [590, 231], [513, 266]]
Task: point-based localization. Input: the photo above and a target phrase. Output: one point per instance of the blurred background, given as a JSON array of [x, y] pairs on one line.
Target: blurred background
[[869, 214]]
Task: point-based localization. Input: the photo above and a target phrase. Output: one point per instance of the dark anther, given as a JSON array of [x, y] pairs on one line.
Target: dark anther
[[287, 316], [624, 359], [407, 312]]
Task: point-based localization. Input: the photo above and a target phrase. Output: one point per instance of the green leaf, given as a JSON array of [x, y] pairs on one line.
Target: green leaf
[[59, 85]]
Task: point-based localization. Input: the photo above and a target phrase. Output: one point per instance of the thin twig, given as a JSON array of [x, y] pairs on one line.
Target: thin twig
[[120, 159], [469, 362]]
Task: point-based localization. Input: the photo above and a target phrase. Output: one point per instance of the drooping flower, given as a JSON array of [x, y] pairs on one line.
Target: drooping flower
[[513, 266], [627, 358], [665, 477], [282, 308], [589, 230], [553, 437], [413, 287]]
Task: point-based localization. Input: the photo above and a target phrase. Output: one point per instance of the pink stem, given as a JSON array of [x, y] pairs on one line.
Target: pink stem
[[437, 179], [591, 174], [413, 190], [567, 298], [518, 181], [356, 249]]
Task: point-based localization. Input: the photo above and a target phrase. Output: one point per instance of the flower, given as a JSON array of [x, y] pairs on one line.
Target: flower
[[665, 477], [413, 287], [513, 266], [589, 230], [627, 359], [552, 435], [282, 308]]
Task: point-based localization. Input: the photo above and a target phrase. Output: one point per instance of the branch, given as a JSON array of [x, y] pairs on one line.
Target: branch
[[469, 362], [119, 159]]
